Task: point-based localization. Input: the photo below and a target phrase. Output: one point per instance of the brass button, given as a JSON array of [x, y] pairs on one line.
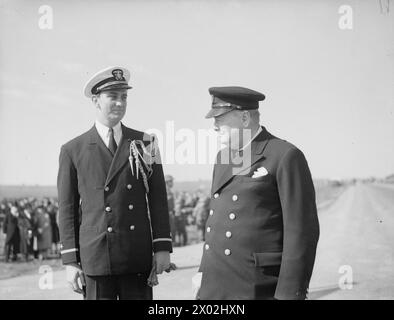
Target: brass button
[[227, 252], [209, 229], [216, 195], [235, 197], [106, 189], [109, 229], [132, 227], [129, 186], [108, 209], [231, 216], [211, 212], [207, 246], [131, 207], [228, 234]]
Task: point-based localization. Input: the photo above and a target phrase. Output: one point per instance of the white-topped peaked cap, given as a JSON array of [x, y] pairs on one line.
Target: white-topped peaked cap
[[107, 79]]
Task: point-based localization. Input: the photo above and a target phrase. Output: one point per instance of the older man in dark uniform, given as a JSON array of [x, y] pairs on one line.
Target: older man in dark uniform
[[262, 229], [113, 214]]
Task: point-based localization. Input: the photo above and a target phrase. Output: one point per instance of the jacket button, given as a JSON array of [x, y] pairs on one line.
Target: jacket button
[[235, 197], [209, 229], [132, 227], [129, 186], [231, 216], [211, 212], [106, 189], [131, 207], [108, 209], [216, 195], [109, 229], [207, 246], [228, 234], [227, 252]]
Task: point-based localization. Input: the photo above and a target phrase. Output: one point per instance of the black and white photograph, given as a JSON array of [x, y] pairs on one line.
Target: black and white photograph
[[196, 150]]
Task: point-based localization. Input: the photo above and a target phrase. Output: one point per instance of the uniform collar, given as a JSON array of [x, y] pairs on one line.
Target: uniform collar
[[103, 130], [254, 137]]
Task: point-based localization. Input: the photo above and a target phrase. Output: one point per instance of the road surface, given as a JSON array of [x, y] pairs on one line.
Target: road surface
[[356, 241], [355, 257]]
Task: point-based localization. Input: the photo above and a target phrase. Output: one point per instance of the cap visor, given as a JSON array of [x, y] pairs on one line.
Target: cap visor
[[215, 112], [116, 87]]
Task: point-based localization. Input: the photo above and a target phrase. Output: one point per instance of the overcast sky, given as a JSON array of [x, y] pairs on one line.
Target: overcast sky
[[329, 91]]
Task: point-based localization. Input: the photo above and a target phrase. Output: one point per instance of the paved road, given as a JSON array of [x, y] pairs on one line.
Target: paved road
[[356, 233], [176, 285]]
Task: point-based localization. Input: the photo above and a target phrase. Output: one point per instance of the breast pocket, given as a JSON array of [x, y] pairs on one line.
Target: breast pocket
[[263, 180]]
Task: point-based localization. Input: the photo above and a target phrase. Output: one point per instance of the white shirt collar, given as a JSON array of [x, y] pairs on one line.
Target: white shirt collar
[[103, 132], [250, 141]]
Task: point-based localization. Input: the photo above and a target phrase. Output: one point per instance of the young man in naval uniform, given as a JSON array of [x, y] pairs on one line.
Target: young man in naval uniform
[[113, 214], [262, 230]]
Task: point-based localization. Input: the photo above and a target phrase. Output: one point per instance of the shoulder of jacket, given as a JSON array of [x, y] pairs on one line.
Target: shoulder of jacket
[[139, 135], [281, 146], [75, 142]]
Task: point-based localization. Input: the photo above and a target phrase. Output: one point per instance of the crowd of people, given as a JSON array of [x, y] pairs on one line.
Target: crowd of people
[[186, 209], [30, 229]]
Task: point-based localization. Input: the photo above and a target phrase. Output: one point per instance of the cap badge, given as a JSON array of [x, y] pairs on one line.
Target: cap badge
[[118, 74]]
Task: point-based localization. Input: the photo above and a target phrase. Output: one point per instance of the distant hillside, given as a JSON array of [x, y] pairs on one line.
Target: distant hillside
[[51, 191], [27, 191], [390, 178]]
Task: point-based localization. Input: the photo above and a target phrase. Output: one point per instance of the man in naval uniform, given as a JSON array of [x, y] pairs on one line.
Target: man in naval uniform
[[262, 230], [113, 214]]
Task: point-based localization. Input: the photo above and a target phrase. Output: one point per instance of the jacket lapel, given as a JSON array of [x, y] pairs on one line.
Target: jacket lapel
[[122, 153], [222, 170], [225, 169], [100, 155]]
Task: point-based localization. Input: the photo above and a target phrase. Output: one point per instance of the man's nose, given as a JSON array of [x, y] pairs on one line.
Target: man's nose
[[118, 103]]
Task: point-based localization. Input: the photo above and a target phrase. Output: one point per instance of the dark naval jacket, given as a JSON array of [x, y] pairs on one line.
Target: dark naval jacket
[[107, 222], [262, 231]]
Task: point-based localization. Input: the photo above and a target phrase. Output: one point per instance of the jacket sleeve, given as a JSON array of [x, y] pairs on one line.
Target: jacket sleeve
[[158, 206], [300, 225], [5, 224], [67, 185]]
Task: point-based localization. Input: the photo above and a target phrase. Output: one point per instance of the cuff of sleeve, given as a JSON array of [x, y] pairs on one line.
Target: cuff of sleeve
[[162, 245], [70, 256]]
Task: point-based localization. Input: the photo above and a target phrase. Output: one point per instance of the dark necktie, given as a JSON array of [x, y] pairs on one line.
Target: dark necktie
[[112, 143]]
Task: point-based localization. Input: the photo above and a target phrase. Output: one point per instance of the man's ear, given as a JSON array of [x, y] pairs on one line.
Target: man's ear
[[95, 100], [246, 118]]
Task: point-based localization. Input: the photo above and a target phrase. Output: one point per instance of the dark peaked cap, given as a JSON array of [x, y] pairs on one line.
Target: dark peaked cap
[[226, 99]]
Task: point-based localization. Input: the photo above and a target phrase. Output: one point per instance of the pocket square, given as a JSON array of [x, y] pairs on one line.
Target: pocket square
[[260, 172]]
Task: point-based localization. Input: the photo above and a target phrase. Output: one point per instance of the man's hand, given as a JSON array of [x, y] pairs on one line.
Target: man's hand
[[74, 273], [161, 260]]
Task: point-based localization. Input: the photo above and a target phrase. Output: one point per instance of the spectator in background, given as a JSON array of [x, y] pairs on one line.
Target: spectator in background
[[180, 220], [201, 212], [25, 232], [52, 211], [44, 232], [3, 213], [10, 228]]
